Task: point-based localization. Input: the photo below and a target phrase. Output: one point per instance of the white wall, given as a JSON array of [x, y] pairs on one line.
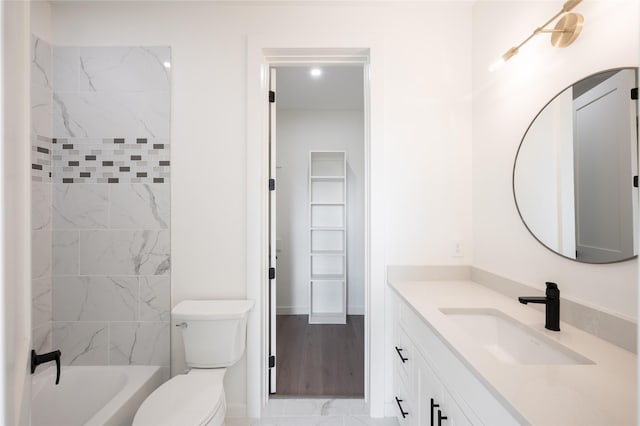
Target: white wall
[[504, 103], [15, 230], [41, 20], [543, 176], [426, 87], [299, 132], [427, 125]]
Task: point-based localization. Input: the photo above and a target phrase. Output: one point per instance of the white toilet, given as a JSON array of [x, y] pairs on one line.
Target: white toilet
[[214, 333]]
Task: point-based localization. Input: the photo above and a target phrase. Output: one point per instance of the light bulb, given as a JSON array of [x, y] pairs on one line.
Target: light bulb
[[496, 65], [504, 58]]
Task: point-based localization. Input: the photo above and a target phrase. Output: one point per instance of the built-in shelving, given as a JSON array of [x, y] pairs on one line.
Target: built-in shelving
[[328, 237]]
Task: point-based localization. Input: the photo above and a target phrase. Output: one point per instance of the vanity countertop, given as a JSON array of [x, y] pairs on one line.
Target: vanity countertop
[[603, 393]]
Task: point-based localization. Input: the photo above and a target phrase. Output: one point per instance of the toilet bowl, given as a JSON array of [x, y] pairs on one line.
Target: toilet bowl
[[193, 399], [214, 335]]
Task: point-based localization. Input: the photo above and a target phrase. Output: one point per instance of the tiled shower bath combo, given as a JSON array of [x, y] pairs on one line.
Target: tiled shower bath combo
[[101, 203]]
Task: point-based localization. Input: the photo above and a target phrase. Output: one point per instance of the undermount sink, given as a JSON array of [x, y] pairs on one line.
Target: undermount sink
[[509, 340]]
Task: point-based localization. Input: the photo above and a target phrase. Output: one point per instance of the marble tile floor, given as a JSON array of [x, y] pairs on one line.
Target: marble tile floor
[[314, 412]]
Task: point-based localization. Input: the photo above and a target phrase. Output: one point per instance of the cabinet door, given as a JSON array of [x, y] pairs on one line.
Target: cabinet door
[[436, 406], [405, 385], [407, 412], [404, 358], [455, 415], [430, 393]]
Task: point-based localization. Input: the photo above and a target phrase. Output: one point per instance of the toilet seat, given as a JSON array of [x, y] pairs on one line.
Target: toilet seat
[[191, 399]]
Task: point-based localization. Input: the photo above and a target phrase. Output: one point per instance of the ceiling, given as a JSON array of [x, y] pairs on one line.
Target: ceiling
[[270, 1], [338, 88]]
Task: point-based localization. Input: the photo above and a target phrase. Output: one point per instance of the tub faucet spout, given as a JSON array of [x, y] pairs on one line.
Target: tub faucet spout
[[552, 304], [36, 360]]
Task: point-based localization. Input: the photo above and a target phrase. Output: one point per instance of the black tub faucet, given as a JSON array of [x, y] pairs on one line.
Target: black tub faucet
[[552, 302], [36, 360]]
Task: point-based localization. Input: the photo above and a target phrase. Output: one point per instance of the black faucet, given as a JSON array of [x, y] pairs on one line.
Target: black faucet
[[552, 302], [36, 360]]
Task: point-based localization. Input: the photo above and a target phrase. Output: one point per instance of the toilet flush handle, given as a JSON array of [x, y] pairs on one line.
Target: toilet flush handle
[[182, 324]]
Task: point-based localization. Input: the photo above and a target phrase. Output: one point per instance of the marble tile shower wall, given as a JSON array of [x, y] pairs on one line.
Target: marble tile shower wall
[[110, 174], [41, 220]]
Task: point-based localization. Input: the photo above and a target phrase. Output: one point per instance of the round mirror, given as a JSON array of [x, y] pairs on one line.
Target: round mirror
[[575, 174]]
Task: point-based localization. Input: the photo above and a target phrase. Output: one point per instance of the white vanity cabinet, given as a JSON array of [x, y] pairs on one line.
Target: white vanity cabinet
[[432, 386], [421, 398]]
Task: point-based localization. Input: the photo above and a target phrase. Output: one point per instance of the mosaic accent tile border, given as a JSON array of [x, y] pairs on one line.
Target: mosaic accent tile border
[[112, 160], [41, 159]]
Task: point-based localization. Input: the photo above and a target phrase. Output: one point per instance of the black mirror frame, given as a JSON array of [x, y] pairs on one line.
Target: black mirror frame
[[515, 161]]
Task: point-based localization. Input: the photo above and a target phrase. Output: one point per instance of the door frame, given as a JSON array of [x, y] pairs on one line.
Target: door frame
[[263, 53], [272, 283]]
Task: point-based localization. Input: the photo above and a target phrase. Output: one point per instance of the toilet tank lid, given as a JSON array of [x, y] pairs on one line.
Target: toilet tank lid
[[212, 309]]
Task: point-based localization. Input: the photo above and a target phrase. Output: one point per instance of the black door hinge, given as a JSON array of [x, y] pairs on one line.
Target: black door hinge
[[272, 184], [272, 361], [272, 273], [635, 181], [634, 94], [272, 96]]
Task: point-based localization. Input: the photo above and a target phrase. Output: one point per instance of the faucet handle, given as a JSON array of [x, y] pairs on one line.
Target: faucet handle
[[40, 359], [57, 355], [552, 291]]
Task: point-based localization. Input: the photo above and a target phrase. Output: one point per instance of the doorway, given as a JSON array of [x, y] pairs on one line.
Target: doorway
[[317, 231]]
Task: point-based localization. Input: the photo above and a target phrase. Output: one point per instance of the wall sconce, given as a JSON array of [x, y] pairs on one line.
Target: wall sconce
[[565, 32]]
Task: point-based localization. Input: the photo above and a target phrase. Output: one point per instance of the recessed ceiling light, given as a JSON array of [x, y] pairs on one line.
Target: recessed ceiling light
[[167, 64], [316, 72]]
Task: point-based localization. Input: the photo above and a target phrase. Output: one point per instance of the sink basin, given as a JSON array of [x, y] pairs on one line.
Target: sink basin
[[509, 340]]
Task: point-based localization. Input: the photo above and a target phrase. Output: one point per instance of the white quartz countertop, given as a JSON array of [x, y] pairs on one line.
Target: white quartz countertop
[[602, 393]]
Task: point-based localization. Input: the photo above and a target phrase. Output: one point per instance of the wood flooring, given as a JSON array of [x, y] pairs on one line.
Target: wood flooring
[[319, 359]]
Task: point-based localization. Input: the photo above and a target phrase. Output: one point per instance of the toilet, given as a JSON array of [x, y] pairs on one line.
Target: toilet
[[214, 334]]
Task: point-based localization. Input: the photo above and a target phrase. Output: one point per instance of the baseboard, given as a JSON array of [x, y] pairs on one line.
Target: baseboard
[[292, 310], [236, 410], [390, 409], [355, 310], [303, 310]]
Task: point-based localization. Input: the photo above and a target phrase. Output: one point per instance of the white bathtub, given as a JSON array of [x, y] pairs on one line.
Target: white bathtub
[[92, 396]]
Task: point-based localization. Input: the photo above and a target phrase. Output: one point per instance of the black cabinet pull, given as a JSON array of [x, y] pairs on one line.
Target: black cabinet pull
[[404, 413], [441, 418], [403, 359], [433, 405]]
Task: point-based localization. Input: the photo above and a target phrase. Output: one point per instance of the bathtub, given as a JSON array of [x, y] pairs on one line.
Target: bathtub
[[92, 396]]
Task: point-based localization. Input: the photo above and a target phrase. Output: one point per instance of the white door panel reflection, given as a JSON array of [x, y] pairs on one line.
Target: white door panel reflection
[[573, 174]]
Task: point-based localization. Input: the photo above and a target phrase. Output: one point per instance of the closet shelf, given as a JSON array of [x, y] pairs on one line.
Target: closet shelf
[[328, 237], [327, 277], [327, 178], [328, 253]]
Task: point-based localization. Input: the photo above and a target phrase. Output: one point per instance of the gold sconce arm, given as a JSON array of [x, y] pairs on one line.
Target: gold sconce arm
[[570, 4], [565, 32]]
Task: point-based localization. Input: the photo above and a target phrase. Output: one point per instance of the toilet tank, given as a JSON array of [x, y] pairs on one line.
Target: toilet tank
[[214, 331]]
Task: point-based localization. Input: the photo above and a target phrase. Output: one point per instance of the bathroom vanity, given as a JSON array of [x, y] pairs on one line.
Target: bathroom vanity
[[467, 355]]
